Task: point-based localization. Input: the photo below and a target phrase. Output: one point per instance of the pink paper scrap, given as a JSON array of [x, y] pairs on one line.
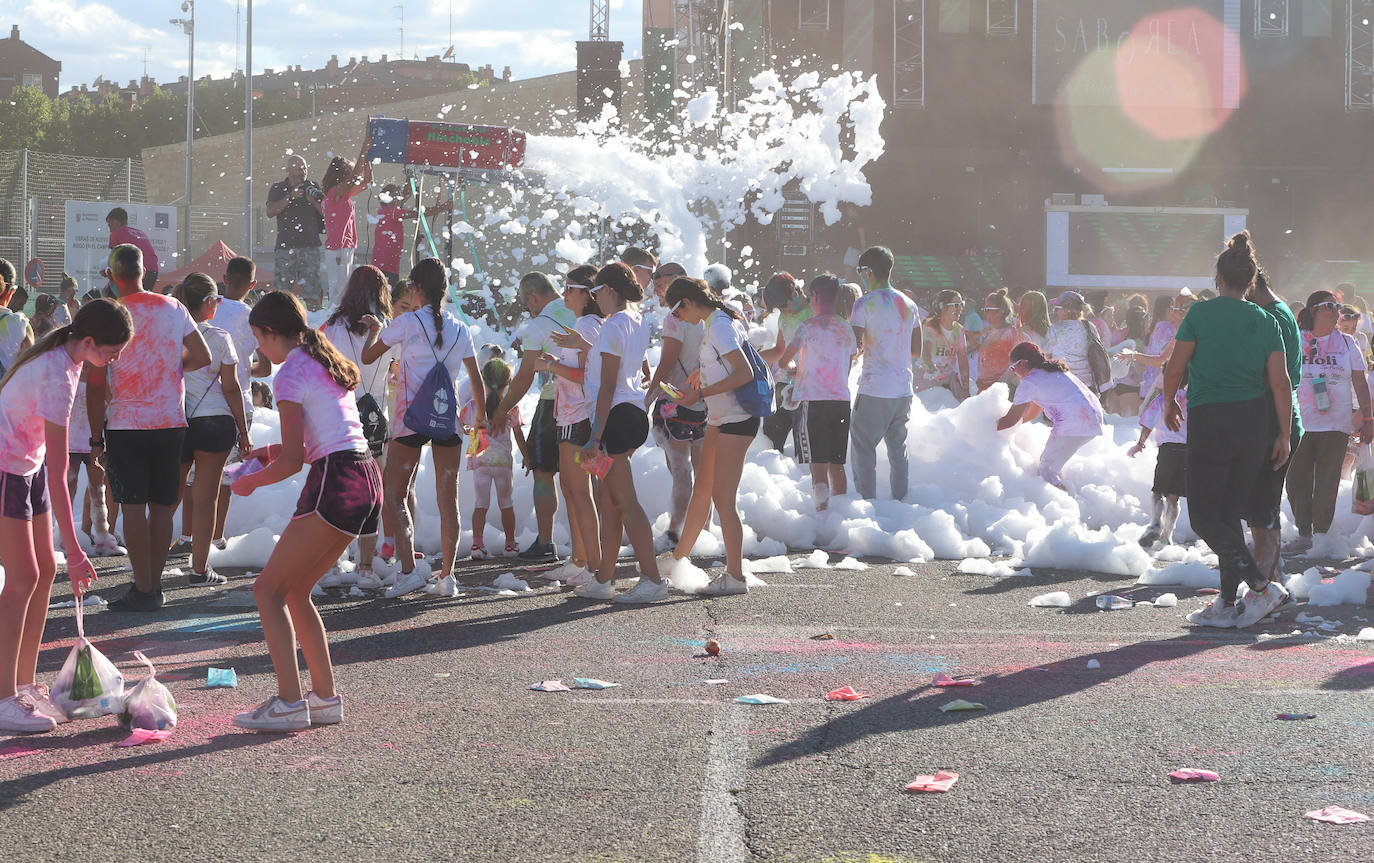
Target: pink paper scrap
[[943, 780], [145, 735], [1337, 815], [845, 693], [550, 686], [1193, 774], [942, 679]]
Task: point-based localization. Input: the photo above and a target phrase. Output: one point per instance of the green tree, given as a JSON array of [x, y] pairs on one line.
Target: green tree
[[24, 119]]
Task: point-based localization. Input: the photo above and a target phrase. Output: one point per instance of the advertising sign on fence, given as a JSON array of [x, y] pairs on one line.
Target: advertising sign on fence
[[88, 237]]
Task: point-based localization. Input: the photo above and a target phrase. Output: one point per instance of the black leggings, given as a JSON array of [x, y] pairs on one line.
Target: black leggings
[[1228, 445]]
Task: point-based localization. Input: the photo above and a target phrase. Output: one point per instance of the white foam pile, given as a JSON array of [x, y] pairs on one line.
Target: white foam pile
[[1346, 588]]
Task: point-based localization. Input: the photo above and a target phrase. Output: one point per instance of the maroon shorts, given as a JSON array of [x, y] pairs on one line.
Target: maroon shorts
[[23, 497], [345, 488]]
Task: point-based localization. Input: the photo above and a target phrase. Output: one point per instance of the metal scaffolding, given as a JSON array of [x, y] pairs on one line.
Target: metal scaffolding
[[909, 53], [699, 56], [599, 28], [1271, 19], [1359, 57], [1002, 17]]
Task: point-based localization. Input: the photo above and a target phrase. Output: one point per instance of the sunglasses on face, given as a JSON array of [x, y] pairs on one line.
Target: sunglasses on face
[[1327, 305], [1354, 317], [673, 310]]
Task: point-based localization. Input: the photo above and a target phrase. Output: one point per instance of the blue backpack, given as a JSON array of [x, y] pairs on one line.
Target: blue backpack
[[433, 411], [755, 397]]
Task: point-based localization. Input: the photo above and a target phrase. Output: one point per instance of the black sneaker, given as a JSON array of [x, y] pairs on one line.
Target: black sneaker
[[181, 546], [137, 600], [207, 578], [539, 552]]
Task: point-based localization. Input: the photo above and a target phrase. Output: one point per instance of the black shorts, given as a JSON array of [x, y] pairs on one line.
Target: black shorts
[[208, 434], [345, 488], [1171, 470], [743, 428], [822, 432], [144, 465], [1266, 495], [77, 459], [23, 497], [542, 441], [417, 440], [627, 428], [576, 434]]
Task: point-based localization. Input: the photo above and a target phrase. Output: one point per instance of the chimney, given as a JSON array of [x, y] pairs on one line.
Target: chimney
[[505, 74], [14, 32], [383, 58], [432, 59], [333, 64]]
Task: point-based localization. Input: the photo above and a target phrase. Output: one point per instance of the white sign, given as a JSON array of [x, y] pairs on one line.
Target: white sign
[[88, 238]]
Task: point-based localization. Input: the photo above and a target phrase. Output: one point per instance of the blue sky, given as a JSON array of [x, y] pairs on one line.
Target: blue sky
[[112, 38]]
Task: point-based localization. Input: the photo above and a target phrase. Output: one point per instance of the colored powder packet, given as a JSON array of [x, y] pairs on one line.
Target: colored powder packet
[[221, 678], [942, 781]]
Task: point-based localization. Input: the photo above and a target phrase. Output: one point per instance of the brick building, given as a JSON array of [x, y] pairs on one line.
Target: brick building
[[22, 65]]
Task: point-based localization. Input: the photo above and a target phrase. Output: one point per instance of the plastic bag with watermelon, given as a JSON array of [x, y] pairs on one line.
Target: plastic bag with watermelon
[[149, 704], [88, 685]]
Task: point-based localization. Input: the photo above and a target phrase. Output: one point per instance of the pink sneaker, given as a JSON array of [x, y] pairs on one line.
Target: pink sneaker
[[479, 552], [512, 549]]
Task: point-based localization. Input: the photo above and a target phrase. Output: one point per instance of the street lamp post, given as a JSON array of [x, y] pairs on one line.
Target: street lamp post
[[188, 26], [248, 135]]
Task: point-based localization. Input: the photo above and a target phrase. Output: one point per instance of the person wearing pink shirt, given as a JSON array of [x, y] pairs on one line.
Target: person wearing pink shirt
[[342, 182], [120, 233], [389, 238]]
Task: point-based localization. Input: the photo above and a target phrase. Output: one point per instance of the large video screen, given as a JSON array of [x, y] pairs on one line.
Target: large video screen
[[1135, 247], [1202, 36]]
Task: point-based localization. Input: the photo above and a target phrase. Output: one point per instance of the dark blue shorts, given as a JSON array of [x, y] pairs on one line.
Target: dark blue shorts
[[23, 497]]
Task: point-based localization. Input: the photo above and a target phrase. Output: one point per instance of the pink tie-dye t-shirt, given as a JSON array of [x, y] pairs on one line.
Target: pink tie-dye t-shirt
[[888, 318], [825, 348], [146, 389], [40, 391]]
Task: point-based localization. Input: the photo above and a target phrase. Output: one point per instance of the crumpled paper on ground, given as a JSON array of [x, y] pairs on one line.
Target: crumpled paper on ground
[[592, 683], [961, 704], [1336, 815], [1193, 774], [760, 698], [145, 735], [550, 686], [942, 679], [943, 780], [845, 693]]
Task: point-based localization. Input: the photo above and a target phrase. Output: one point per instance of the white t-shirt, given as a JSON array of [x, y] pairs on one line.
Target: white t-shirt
[[1153, 418], [689, 358], [79, 428], [204, 394], [1337, 357], [1072, 408], [888, 318], [330, 412], [412, 337], [825, 346], [536, 334], [13, 328], [146, 388], [572, 405], [351, 345], [1068, 341], [41, 391], [232, 317], [626, 335], [723, 335]]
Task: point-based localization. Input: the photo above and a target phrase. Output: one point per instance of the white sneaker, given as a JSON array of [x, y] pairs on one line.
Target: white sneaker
[[445, 587], [645, 591], [333, 578], [563, 572], [43, 702], [275, 714], [581, 577], [593, 589], [725, 584], [19, 714], [106, 545], [409, 582], [324, 711], [1254, 607], [1215, 614], [368, 580]]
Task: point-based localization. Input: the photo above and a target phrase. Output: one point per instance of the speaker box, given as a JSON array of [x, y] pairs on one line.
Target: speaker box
[[598, 77]]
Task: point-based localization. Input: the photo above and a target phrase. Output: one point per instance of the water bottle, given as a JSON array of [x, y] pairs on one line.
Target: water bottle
[[1319, 391], [1112, 602]]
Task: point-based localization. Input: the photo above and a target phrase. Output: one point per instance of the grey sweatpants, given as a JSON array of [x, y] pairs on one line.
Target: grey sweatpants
[[877, 419]]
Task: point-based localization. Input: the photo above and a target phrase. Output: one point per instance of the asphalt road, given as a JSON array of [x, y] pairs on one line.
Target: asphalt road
[[445, 754]]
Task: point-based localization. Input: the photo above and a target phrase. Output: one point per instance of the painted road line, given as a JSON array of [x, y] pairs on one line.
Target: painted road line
[[720, 837]]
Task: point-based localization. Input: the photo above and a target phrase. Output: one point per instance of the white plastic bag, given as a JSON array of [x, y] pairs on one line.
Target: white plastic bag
[[1362, 489], [149, 704], [89, 685]]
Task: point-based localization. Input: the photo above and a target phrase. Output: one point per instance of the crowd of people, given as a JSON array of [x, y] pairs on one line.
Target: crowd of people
[[154, 396]]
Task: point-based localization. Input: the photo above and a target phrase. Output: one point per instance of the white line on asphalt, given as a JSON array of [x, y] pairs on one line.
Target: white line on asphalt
[[720, 837]]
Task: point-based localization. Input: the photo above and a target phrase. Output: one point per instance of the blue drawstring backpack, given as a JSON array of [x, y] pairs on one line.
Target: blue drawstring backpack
[[434, 409]]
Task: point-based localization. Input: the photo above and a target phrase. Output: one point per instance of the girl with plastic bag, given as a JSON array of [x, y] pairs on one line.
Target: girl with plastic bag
[[36, 398]]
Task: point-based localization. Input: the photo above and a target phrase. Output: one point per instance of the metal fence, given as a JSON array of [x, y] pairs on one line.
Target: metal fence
[[34, 189]]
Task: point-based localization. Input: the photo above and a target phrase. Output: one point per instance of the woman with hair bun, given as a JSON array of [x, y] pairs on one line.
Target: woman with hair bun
[[1047, 385], [1238, 389], [729, 428], [619, 426]]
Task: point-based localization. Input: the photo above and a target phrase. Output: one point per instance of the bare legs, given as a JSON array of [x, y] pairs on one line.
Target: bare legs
[[717, 482], [582, 519], [618, 507], [26, 549]]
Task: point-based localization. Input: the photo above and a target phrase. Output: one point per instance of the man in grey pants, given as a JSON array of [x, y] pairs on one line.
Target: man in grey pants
[[888, 331]]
